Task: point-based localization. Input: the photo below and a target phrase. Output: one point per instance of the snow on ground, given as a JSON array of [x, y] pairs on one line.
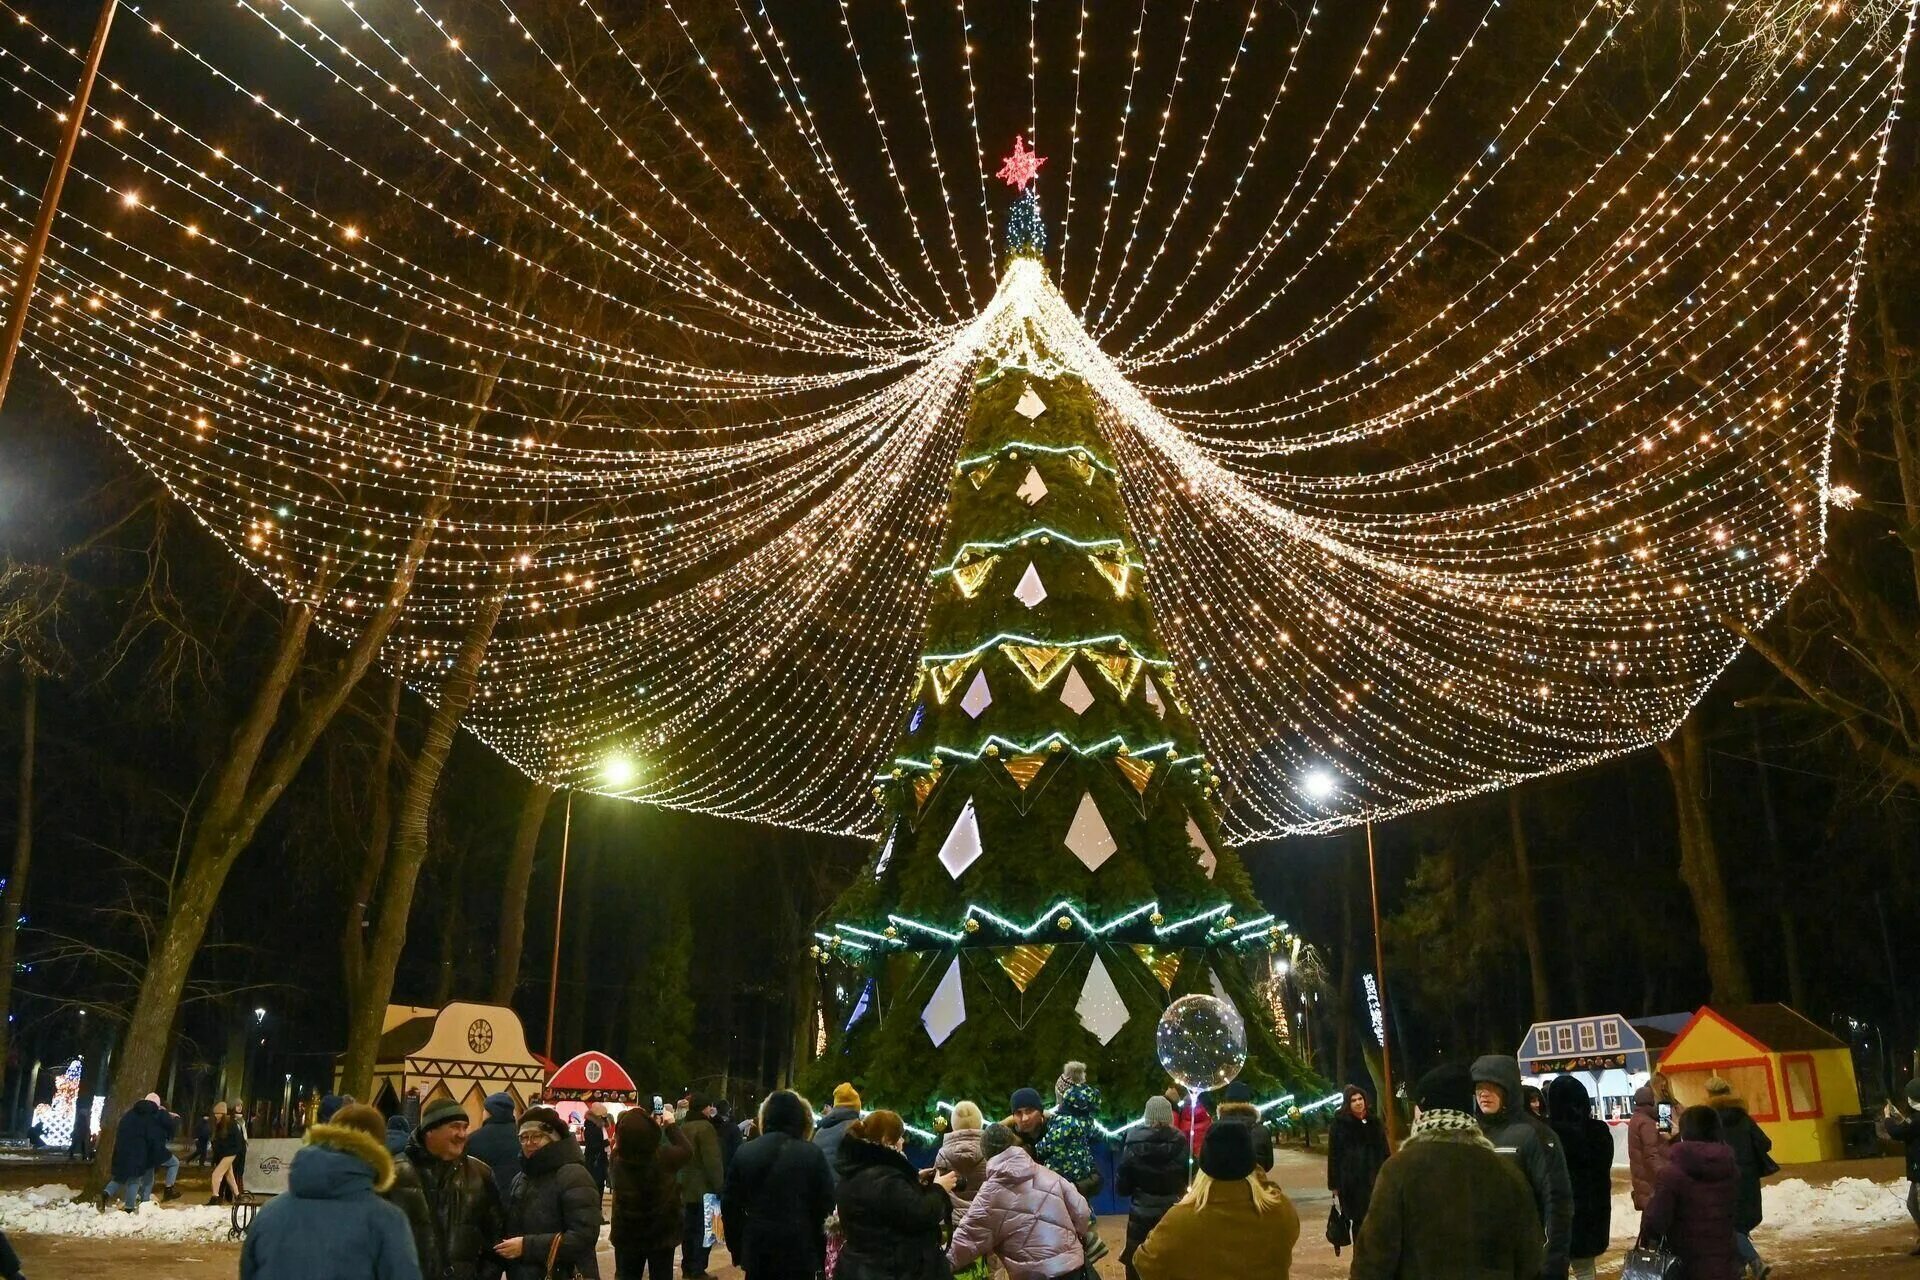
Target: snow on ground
[[51, 1210], [1796, 1208]]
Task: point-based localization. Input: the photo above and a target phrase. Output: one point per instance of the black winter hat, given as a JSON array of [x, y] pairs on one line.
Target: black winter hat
[[1445, 1088], [1228, 1152], [1238, 1091], [1026, 1099]]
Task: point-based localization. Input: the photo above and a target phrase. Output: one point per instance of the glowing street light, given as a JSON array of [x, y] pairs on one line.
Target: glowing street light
[[1319, 786], [619, 771]]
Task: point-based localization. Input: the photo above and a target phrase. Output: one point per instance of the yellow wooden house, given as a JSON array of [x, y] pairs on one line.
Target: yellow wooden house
[[1796, 1079]]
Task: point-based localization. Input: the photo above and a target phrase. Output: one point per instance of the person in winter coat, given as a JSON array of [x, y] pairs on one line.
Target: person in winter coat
[[1153, 1171], [139, 1147], [891, 1220], [1027, 1117], [1446, 1204], [1906, 1130], [833, 1125], [1238, 1108], [1587, 1144], [1356, 1148], [1750, 1145], [704, 1174], [553, 1202], [229, 1153], [202, 1139], [646, 1198], [332, 1221], [1527, 1140], [960, 1152], [1191, 1118], [1027, 1216], [396, 1134], [1067, 1145], [1647, 1147], [593, 1144], [496, 1143], [779, 1192], [9, 1260], [1694, 1198], [726, 1127], [1232, 1222], [450, 1199]]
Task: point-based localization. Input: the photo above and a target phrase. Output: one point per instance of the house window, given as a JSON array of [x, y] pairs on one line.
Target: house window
[[1803, 1090], [1543, 1040], [1610, 1035], [1586, 1037], [1564, 1037]]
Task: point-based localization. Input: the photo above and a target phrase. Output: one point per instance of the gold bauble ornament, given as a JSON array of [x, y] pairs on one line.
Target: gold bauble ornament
[[1065, 922], [993, 749], [1055, 745], [891, 932], [973, 926], [1156, 919], [1228, 922]]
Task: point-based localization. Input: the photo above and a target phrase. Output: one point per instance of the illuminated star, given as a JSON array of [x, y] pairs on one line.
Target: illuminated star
[[1022, 167]]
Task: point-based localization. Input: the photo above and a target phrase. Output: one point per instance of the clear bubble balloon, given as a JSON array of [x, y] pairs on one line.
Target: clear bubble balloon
[[1202, 1042]]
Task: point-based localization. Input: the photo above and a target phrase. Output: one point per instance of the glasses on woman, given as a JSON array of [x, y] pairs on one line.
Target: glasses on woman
[[535, 1138]]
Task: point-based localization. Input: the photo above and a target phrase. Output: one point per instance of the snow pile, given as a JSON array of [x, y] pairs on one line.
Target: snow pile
[[1794, 1207], [50, 1210]]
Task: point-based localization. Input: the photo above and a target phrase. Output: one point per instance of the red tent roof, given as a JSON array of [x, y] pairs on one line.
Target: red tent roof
[[591, 1072]]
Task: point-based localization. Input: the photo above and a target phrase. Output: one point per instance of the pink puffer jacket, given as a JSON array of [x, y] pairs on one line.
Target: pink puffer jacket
[[1026, 1215]]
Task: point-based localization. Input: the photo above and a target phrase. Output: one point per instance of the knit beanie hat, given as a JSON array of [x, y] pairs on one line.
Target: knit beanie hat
[[1159, 1112], [1445, 1088], [845, 1095], [547, 1118], [1718, 1088], [1228, 1152], [997, 1138], [1026, 1099], [1913, 1093], [441, 1111], [329, 1104]]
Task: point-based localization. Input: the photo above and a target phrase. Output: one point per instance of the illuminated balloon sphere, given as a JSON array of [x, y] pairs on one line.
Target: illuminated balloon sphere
[[1202, 1042]]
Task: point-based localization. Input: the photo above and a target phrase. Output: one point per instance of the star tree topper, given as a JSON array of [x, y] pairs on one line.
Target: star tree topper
[[1022, 167]]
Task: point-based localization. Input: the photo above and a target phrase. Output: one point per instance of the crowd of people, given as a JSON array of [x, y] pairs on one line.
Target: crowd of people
[[1493, 1180]]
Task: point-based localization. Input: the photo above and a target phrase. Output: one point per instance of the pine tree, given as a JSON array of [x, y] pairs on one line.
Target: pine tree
[[1050, 841]]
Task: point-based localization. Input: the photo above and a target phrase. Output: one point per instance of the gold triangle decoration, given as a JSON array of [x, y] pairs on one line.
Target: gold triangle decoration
[[1039, 663], [1082, 469], [1024, 769], [1122, 670], [1138, 772], [946, 676], [971, 572], [1164, 965], [923, 785], [1114, 568], [1023, 963], [978, 476]]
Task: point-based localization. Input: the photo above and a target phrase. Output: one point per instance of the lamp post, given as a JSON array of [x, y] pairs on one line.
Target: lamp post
[[1319, 786], [50, 198], [619, 772]]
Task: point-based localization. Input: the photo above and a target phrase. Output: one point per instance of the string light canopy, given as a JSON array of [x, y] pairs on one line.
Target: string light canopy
[[1468, 366]]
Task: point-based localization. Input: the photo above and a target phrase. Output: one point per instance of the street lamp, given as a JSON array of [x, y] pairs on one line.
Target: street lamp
[[619, 772], [1319, 786]]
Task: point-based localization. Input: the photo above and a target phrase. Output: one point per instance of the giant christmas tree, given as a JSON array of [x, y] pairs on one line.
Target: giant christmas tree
[[1051, 875]]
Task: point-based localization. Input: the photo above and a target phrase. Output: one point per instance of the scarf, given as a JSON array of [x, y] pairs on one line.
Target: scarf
[[1440, 1125]]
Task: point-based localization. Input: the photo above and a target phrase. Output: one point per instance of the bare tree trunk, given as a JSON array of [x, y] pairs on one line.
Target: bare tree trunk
[[451, 909], [353, 946], [1686, 760], [1529, 909], [22, 850], [410, 850], [513, 893], [244, 792], [1782, 883]]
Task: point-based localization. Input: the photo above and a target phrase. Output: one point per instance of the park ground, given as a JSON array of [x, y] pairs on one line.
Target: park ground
[[1797, 1249]]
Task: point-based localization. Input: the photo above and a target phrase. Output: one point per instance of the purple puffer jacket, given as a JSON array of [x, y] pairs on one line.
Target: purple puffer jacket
[[1692, 1206], [1026, 1215]]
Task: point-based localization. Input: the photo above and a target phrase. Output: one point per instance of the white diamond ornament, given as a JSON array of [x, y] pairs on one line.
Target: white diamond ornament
[[962, 847], [1088, 838], [886, 856], [1031, 590], [979, 696], [1202, 850], [1074, 692], [1101, 1009], [1154, 699], [948, 1008], [1031, 405], [1033, 488]]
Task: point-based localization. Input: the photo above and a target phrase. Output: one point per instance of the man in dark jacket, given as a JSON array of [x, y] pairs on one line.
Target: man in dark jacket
[[703, 1175], [779, 1193], [139, 1147], [1446, 1205], [496, 1143], [833, 1125], [1153, 1171], [1531, 1144], [1750, 1145], [1587, 1144], [449, 1198], [1907, 1130]]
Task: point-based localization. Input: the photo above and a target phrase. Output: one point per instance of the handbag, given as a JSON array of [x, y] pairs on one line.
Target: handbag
[[1650, 1262], [553, 1258], [1339, 1230]]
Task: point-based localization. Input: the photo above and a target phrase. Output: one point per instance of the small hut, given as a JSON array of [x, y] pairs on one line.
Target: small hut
[[1796, 1078], [464, 1052]]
